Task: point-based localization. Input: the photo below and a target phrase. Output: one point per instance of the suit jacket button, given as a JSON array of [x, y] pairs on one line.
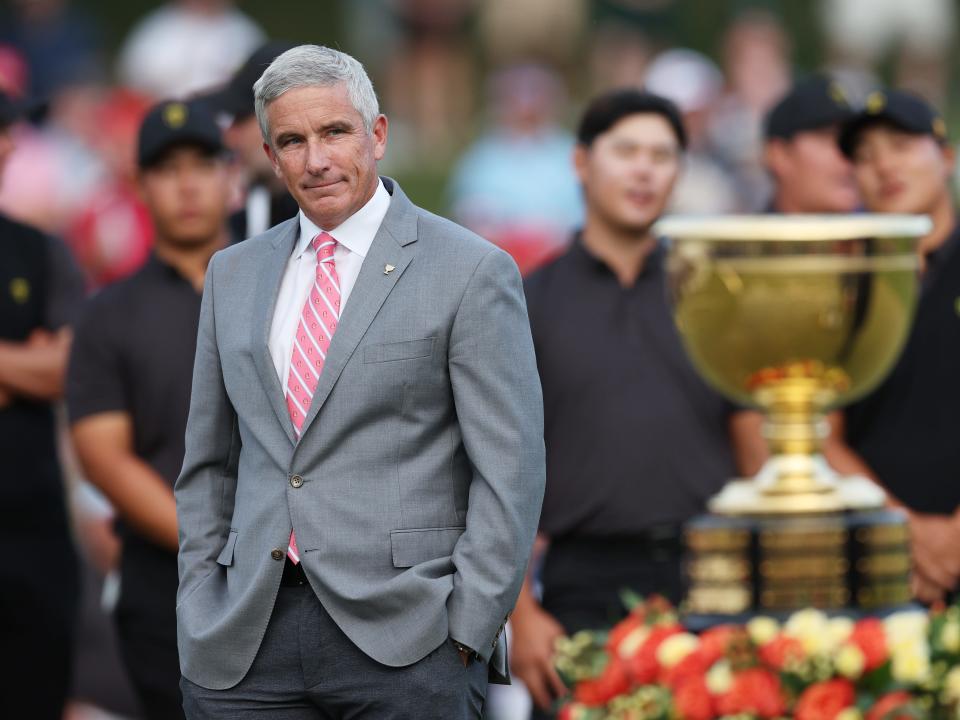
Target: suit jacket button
[[296, 481], [276, 554]]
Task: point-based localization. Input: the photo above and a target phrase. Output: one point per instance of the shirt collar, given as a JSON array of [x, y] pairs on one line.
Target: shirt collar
[[356, 233]]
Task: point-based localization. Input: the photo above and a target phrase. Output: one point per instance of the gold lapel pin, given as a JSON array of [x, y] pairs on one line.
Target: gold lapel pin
[[387, 269]]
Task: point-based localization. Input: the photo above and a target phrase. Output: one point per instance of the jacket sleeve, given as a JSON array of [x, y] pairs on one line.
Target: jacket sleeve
[[499, 407], [206, 487]]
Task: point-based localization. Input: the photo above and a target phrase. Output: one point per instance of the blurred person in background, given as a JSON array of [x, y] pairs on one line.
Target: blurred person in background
[[622, 403], [904, 434], [128, 387], [809, 172], [430, 78], [112, 234], [187, 46], [863, 33], [40, 290], [514, 185], [755, 53], [60, 42], [266, 200], [694, 84]]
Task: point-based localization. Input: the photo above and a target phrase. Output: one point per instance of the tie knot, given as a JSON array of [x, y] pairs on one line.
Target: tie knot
[[324, 244]]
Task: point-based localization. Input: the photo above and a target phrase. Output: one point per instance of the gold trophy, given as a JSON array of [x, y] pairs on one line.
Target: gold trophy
[[795, 315]]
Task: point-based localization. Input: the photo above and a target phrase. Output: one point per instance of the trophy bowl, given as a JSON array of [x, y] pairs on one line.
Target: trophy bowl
[[794, 315]]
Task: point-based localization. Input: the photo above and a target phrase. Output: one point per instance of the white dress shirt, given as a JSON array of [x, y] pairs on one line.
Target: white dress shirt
[[354, 237]]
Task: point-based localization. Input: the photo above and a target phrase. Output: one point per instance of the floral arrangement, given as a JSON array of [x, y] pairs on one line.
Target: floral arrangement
[[811, 667]]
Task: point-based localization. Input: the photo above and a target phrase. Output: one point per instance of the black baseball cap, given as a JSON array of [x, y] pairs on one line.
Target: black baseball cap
[[176, 122], [608, 109], [236, 97], [813, 103], [903, 110]]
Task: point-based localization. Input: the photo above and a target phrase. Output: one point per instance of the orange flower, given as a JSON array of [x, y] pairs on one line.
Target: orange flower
[[715, 642], [868, 635], [692, 700], [825, 700], [694, 665], [778, 651], [886, 707], [600, 690], [754, 691]]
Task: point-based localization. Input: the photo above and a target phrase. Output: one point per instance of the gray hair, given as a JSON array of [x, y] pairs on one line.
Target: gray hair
[[311, 65]]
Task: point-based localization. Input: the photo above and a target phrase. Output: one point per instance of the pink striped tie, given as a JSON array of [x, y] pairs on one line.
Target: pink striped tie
[[318, 322]]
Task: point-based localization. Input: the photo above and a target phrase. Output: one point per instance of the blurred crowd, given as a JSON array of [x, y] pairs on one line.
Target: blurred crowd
[[481, 94]]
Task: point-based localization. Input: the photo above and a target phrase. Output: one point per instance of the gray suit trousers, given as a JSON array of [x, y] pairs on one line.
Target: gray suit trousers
[[307, 669]]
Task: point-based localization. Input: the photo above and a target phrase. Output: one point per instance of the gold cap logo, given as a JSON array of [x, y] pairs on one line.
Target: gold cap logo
[[20, 290], [175, 115], [876, 102], [940, 128], [838, 95]]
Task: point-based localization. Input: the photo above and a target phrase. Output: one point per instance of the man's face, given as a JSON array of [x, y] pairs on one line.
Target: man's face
[[812, 175], [321, 150], [187, 192], [900, 172], [629, 171]]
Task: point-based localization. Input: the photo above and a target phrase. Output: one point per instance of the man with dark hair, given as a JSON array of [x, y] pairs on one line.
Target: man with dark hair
[[904, 435], [129, 384], [810, 173], [622, 404], [266, 201], [40, 289]]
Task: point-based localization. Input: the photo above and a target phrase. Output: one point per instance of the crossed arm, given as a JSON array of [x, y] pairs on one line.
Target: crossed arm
[[34, 368]]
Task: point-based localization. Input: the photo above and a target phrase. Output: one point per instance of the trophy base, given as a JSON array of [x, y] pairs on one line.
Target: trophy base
[[757, 497], [851, 563]]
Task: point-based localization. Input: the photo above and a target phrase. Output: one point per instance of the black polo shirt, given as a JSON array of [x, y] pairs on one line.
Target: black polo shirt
[[634, 437], [908, 430], [40, 289], [133, 352]]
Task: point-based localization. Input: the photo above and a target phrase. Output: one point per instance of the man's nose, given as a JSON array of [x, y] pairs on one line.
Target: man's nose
[[318, 159]]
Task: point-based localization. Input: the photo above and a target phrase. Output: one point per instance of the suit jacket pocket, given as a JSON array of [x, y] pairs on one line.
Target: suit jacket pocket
[[406, 350], [412, 547], [226, 555]]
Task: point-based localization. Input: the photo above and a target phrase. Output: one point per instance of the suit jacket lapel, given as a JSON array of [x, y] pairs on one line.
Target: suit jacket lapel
[[393, 245], [268, 287]]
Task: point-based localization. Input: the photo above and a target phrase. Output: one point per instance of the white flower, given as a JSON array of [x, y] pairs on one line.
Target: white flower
[[911, 661], [719, 677], [905, 627], [951, 685], [841, 628], [762, 629], [849, 661], [811, 628], [950, 636], [675, 648], [629, 646], [850, 713]]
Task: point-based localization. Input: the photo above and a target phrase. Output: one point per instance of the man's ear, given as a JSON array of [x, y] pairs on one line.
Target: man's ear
[[775, 157], [581, 161], [273, 160], [949, 159], [379, 132]]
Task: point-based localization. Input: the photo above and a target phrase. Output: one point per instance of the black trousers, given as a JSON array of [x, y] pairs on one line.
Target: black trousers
[[307, 669], [149, 653], [39, 599], [583, 578]]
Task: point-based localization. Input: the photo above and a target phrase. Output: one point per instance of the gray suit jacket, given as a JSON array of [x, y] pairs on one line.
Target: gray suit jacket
[[421, 459]]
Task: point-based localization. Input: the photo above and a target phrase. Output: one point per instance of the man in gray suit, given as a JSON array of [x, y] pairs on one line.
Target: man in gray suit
[[364, 460]]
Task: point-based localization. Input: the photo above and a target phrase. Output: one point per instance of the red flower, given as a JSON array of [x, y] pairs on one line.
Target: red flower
[[869, 637], [715, 642], [754, 691], [694, 665], [643, 667], [600, 690], [887, 707], [778, 651], [825, 700], [623, 629], [692, 700]]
